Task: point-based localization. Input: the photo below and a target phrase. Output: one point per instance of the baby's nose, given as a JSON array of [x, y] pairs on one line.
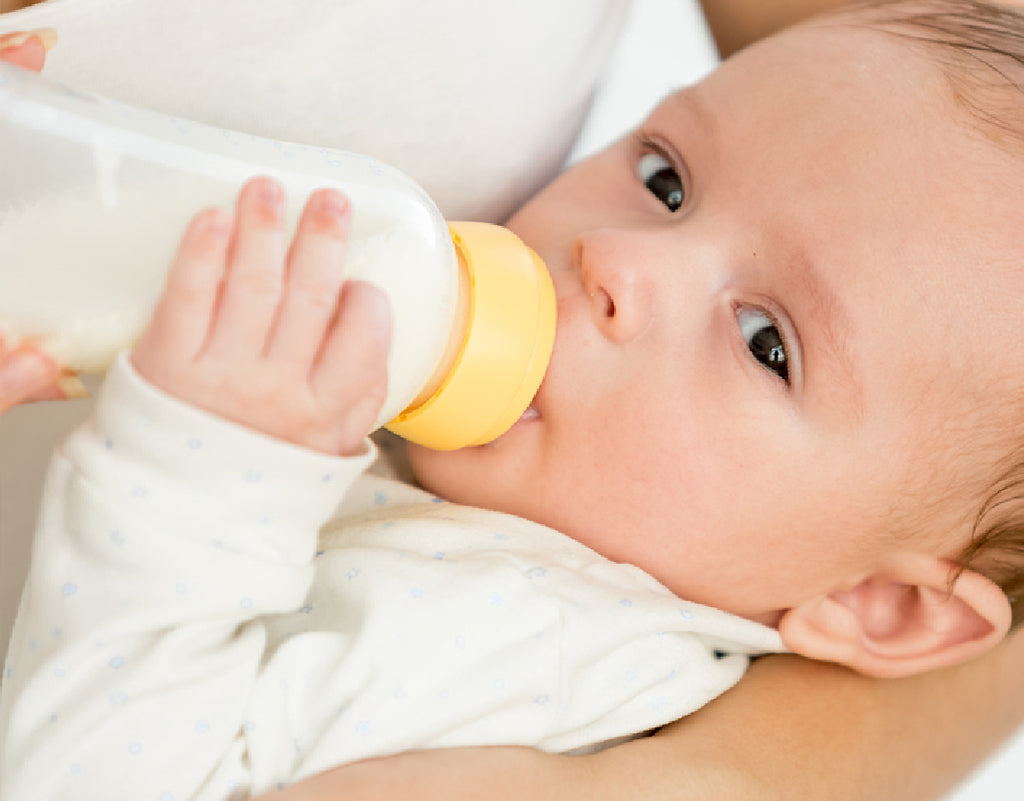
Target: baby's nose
[[616, 284]]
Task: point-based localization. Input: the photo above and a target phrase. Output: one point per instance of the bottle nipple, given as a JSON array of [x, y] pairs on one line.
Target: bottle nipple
[[497, 367]]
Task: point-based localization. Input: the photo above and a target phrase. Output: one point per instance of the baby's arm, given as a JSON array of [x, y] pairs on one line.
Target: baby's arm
[[168, 535]]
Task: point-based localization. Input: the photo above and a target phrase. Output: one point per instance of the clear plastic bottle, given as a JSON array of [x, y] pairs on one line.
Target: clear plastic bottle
[[94, 196]]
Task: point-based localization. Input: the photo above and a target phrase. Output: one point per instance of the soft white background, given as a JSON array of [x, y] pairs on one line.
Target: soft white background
[[664, 46], [652, 59]]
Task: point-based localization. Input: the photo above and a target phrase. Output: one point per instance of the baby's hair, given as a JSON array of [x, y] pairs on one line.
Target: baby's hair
[[980, 48], [996, 548]]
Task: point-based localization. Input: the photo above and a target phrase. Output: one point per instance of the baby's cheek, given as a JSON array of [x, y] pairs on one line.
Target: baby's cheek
[[445, 473], [499, 476]]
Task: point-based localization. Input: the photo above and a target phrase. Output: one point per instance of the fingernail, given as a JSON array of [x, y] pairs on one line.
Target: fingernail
[[218, 221], [333, 202], [269, 191], [72, 387], [48, 37]]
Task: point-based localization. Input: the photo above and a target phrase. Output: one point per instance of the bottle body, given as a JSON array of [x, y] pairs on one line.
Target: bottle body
[[94, 196]]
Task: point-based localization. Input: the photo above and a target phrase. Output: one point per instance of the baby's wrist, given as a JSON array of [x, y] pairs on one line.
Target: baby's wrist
[[165, 435]]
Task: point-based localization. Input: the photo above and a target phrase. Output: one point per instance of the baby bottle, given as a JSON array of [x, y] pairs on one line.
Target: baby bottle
[[94, 196]]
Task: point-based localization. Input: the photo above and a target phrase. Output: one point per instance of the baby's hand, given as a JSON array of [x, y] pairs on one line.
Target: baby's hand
[[269, 337], [27, 48]]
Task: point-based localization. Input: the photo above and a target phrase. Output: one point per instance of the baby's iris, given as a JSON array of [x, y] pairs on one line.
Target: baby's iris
[[661, 178], [763, 339]]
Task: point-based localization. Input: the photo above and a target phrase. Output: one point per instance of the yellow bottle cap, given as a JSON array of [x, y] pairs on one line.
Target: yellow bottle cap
[[506, 349]]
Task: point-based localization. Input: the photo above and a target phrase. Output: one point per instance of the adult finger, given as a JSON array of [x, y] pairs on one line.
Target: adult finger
[[27, 375], [27, 48]]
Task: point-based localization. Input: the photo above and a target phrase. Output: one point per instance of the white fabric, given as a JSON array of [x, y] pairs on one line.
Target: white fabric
[[184, 632], [480, 102]]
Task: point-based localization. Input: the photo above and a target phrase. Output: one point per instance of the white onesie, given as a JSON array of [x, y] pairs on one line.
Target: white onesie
[[186, 632]]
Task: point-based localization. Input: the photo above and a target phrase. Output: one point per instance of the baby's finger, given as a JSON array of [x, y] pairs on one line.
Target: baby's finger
[[182, 318], [251, 292], [352, 368], [313, 280]]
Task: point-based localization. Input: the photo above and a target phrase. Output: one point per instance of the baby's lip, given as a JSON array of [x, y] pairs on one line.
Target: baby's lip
[[535, 410], [531, 413]]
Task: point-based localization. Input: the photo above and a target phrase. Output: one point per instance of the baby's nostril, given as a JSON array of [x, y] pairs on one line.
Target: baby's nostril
[[602, 301], [609, 305]]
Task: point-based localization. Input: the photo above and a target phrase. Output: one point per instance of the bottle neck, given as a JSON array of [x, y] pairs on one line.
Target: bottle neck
[[456, 336], [499, 348]]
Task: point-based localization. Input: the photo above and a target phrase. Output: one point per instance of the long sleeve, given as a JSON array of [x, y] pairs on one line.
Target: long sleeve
[[164, 538]]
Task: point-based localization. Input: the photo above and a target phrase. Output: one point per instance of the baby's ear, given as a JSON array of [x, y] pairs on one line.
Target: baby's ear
[[903, 619]]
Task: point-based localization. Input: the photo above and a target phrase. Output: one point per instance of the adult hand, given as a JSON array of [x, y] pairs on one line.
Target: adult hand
[[791, 728], [27, 374], [27, 48]]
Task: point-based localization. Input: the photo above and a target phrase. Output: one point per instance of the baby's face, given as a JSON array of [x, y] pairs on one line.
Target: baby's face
[[781, 306]]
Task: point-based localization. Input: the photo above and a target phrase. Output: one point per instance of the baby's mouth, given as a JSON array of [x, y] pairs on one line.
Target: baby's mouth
[[531, 413]]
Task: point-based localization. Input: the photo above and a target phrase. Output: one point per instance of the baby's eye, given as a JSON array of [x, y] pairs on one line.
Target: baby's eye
[[764, 340], [661, 178]]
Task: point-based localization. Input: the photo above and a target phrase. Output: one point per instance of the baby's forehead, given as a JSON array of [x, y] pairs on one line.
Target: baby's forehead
[[978, 46]]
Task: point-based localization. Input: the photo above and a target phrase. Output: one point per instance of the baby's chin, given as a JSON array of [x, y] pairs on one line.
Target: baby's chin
[[434, 472], [414, 454], [466, 476]]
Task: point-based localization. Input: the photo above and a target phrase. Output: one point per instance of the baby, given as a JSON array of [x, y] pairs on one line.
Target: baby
[[749, 406]]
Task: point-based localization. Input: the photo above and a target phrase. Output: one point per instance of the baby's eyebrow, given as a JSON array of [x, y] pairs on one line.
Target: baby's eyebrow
[[690, 102]]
